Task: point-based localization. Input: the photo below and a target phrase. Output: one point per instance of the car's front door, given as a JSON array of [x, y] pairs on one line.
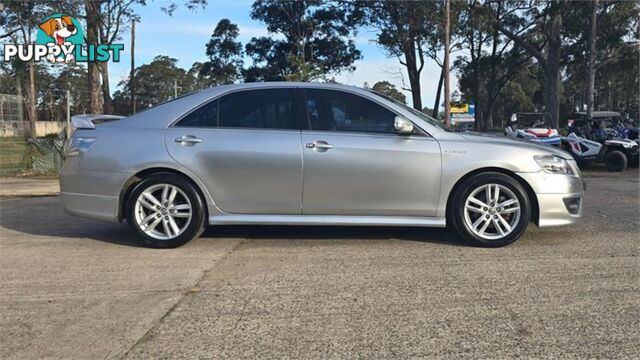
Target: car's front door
[[245, 147], [354, 163]]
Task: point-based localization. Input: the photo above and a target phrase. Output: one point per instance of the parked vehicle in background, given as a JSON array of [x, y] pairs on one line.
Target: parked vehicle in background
[[534, 127], [610, 125], [464, 126], [309, 153], [616, 154]]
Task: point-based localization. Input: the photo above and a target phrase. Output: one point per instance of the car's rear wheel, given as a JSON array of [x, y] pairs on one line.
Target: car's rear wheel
[[166, 210], [490, 209]]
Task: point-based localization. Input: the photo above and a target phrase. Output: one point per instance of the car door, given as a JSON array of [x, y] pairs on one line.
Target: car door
[[245, 147], [354, 163]]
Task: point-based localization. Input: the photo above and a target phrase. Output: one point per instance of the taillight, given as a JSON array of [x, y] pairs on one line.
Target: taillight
[[79, 145]]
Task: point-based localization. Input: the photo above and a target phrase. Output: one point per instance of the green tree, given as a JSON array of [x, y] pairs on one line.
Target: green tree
[[156, 82], [540, 34], [615, 69], [19, 22], [405, 30], [387, 88], [309, 41], [492, 60], [225, 56]]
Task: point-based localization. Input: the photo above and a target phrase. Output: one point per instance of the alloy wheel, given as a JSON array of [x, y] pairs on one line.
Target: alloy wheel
[[163, 211], [492, 211]]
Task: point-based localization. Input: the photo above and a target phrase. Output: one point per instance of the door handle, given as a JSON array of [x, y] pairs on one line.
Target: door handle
[[320, 145], [188, 139]]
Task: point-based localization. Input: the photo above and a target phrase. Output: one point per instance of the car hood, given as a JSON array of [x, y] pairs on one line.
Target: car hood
[[540, 132], [519, 143]]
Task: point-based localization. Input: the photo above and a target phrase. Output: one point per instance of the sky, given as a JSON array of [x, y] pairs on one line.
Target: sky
[[183, 36]]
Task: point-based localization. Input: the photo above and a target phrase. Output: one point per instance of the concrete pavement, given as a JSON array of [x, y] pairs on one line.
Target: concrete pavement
[[75, 288], [18, 186]]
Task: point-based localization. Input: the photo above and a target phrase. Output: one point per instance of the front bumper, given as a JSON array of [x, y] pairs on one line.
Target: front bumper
[[560, 197]]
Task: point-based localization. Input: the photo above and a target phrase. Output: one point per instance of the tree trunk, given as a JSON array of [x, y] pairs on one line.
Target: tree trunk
[[552, 68], [31, 105], [414, 75], [132, 82], [106, 92], [476, 53], [92, 9], [592, 59], [488, 123], [436, 105], [445, 68], [492, 100]]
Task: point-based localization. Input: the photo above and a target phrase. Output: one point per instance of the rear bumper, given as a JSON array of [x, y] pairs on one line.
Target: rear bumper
[[91, 193], [560, 197], [99, 207]]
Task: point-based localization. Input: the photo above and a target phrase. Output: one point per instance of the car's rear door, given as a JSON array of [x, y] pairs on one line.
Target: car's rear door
[[245, 147], [354, 163]]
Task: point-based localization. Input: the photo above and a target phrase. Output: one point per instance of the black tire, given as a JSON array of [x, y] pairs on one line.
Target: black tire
[[197, 223], [456, 216], [633, 157], [615, 160]]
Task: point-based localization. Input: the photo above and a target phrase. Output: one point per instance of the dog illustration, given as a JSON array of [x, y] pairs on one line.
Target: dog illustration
[[59, 29]]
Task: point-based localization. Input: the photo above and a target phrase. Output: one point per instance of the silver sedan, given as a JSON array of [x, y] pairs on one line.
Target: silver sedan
[[309, 154]]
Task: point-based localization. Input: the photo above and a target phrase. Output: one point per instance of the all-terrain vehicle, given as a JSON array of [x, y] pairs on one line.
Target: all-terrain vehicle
[[606, 129], [612, 124], [534, 127], [616, 154]]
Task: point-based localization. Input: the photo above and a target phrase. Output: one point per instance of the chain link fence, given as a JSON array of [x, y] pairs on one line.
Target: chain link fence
[[27, 148]]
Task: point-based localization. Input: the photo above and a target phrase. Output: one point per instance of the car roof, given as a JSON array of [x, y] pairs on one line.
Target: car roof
[[600, 113], [164, 114]]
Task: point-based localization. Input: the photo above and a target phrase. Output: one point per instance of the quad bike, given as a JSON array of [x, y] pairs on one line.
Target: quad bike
[[616, 154], [611, 123], [534, 127]]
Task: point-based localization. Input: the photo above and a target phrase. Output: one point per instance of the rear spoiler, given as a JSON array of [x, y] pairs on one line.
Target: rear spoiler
[[89, 121]]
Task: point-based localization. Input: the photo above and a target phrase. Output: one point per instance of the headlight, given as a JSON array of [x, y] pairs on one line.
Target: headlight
[[553, 164]]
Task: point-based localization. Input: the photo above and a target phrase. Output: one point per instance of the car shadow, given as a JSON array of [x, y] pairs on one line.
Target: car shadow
[[317, 232], [44, 217]]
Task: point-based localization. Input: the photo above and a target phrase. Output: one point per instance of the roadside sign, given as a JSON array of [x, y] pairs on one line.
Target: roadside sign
[[460, 109], [462, 118]]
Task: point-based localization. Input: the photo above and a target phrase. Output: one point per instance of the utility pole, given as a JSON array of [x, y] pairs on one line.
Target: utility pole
[[445, 68], [592, 59], [175, 88], [68, 114], [132, 85]]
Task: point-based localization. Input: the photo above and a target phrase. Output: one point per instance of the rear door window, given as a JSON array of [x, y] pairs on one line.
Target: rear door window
[[259, 109], [204, 116], [254, 109], [331, 110]]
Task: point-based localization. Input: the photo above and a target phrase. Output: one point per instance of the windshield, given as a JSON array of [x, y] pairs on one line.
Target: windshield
[[534, 120], [415, 112]]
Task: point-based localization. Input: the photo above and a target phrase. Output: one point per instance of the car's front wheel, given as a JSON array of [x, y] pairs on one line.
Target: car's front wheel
[[490, 209], [615, 160], [166, 210]]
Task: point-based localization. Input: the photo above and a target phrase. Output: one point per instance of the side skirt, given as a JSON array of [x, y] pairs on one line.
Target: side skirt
[[232, 219]]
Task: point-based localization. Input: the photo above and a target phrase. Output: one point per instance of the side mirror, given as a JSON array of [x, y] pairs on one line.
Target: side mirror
[[402, 126]]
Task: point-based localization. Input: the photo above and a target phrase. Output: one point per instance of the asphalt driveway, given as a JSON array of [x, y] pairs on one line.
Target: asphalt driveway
[[76, 288]]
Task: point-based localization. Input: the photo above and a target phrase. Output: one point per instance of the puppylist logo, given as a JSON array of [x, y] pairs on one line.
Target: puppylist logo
[[60, 39]]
